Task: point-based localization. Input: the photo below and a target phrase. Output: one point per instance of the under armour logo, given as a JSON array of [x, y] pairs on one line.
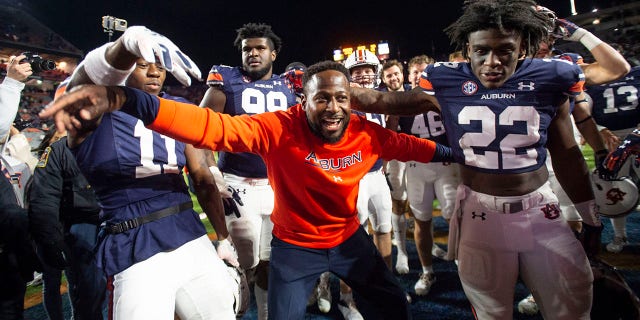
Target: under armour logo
[[412, 165], [480, 215], [530, 86], [277, 83], [337, 179], [615, 195], [551, 211]]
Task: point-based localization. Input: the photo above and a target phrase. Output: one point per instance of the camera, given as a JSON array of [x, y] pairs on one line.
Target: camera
[[110, 23], [38, 63]]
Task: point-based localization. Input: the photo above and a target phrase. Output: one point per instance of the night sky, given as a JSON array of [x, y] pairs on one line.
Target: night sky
[[310, 30]]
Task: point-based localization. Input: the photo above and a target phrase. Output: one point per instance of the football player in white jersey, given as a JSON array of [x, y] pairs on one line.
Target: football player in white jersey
[[393, 79], [424, 184]]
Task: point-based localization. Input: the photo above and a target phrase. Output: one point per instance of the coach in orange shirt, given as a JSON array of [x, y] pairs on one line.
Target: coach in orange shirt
[[315, 152]]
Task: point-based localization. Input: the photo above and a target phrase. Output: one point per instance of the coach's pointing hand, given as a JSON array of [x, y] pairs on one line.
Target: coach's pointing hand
[[83, 106]]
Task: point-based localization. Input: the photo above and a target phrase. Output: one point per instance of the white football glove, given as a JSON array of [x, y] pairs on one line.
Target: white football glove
[[148, 45], [227, 252]]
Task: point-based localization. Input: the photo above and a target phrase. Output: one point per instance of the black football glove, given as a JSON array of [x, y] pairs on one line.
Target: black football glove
[[231, 204]]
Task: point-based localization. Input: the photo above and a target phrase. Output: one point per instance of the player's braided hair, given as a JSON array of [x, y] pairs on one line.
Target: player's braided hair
[[258, 30], [323, 66], [504, 15]]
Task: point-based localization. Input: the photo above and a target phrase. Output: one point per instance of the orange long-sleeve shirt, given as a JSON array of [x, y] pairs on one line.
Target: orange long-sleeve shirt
[[315, 183]]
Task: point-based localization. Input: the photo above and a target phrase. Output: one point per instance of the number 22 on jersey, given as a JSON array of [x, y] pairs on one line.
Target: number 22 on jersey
[[515, 149]]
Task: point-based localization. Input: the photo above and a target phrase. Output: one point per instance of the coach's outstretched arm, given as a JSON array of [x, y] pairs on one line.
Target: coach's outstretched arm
[[405, 103], [85, 104]]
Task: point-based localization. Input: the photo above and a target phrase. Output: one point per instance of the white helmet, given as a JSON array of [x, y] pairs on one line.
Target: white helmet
[[615, 198], [241, 293], [363, 57]]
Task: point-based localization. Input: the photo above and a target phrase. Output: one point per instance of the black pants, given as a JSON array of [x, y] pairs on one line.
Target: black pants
[[293, 272], [12, 288]]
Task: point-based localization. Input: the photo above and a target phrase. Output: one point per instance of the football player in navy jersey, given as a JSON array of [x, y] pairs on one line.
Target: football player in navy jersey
[[154, 248], [500, 111], [584, 126], [425, 182], [250, 89]]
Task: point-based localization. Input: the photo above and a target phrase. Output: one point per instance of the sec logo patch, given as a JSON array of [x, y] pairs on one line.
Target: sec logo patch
[[469, 87]]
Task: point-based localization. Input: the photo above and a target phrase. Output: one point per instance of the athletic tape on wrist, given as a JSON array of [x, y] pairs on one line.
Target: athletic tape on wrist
[[101, 72], [588, 212], [589, 40]]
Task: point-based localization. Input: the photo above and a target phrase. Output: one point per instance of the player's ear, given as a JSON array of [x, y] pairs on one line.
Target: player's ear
[[303, 101], [523, 50]]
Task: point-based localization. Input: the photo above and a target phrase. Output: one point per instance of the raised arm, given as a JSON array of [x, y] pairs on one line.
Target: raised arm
[[10, 90], [112, 63], [609, 65]]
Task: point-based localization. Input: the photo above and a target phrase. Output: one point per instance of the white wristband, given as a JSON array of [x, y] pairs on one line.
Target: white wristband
[[588, 39], [589, 213], [101, 72]]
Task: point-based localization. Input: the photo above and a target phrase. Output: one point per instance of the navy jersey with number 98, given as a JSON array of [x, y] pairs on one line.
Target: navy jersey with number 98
[[248, 97]]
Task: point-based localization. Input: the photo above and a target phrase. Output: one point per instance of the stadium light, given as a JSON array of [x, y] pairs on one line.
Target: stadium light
[[383, 48]]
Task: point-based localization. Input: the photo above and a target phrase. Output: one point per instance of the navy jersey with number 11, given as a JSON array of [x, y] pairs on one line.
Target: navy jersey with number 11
[[502, 130], [134, 172]]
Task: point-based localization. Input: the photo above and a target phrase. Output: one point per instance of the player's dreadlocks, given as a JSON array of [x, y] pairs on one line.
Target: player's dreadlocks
[[258, 30], [516, 15]]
